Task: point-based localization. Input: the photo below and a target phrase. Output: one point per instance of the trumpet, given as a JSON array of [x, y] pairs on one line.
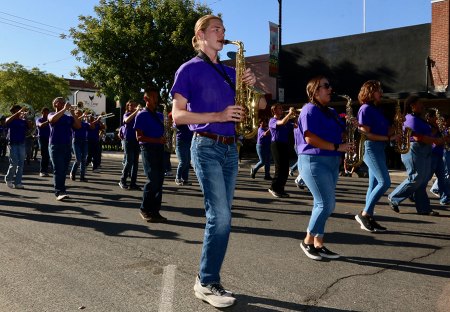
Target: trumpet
[[296, 110], [109, 115]]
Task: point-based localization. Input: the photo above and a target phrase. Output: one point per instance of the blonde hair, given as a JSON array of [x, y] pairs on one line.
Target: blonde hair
[[128, 105], [201, 24], [312, 87], [367, 91]]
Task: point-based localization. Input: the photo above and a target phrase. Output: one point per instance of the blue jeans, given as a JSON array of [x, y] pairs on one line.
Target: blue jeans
[[418, 165], [152, 160], [444, 192], [216, 167], [438, 168], [80, 148], [320, 174], [130, 161], [264, 154], [16, 161], [183, 151], [379, 179], [60, 156], [45, 157]]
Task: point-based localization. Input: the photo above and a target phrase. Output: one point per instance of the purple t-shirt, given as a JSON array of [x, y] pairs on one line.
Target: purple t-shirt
[[206, 91], [61, 131], [151, 124], [43, 132], [263, 139], [16, 131], [325, 125], [81, 134], [371, 116], [128, 129], [417, 125], [437, 150], [184, 133], [280, 133], [93, 135]]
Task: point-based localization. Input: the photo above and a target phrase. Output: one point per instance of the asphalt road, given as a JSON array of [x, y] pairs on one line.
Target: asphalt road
[[95, 253]]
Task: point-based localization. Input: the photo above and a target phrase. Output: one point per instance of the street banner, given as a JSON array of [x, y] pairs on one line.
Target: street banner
[[273, 50]]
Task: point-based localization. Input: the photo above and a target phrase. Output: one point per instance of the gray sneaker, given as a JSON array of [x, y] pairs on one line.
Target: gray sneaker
[[214, 294], [365, 223]]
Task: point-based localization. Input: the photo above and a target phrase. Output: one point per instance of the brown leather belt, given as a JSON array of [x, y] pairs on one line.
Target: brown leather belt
[[218, 138]]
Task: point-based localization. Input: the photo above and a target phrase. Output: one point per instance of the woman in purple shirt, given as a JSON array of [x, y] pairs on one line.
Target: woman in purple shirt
[[320, 154], [376, 128], [263, 150], [417, 161]]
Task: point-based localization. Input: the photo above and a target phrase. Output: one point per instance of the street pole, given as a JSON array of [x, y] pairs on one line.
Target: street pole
[[278, 81]]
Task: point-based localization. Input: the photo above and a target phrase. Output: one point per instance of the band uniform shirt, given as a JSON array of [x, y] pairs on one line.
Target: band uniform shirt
[[371, 116], [43, 132], [417, 125], [151, 124], [93, 134], [61, 131], [206, 91], [129, 133], [263, 139], [17, 129], [81, 133], [280, 133], [183, 133], [326, 126]]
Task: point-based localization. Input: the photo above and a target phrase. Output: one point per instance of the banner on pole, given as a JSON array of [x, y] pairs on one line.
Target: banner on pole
[[273, 50]]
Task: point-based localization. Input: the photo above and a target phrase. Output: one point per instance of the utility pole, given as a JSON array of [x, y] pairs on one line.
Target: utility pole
[[278, 81]]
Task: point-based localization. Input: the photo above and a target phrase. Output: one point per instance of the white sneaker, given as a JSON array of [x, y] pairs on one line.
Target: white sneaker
[[43, 174], [9, 184], [62, 196], [19, 186], [214, 294]]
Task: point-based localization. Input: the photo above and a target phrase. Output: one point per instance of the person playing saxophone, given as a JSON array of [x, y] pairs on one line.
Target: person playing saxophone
[[204, 98], [375, 126]]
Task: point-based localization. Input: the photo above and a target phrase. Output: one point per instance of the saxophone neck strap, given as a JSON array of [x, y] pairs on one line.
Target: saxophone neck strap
[[221, 72]]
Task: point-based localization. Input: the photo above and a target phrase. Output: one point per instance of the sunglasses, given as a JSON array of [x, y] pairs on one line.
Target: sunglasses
[[325, 85]]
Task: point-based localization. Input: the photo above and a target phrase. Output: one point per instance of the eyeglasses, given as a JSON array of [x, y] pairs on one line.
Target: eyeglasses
[[325, 85]]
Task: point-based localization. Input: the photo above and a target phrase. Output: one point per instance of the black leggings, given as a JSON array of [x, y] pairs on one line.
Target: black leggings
[[280, 155]]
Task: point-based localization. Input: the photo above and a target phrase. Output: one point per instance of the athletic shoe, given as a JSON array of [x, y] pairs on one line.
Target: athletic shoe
[[123, 186], [326, 253], [268, 178], [310, 251], [179, 182], [43, 174], [62, 196], [134, 187], [19, 186], [364, 221], [291, 173], [435, 192], [9, 184], [376, 226], [168, 174], [252, 172], [83, 180], [214, 294], [228, 293], [144, 215], [157, 218], [430, 213], [72, 177], [275, 194], [393, 206], [444, 203], [284, 195], [96, 170]]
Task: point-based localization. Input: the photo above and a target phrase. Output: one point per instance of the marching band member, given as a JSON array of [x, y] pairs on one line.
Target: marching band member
[[280, 127], [60, 143], [320, 153], [203, 93], [183, 151], [417, 161], [263, 141], [43, 128], [17, 128], [80, 147], [375, 126], [94, 147]]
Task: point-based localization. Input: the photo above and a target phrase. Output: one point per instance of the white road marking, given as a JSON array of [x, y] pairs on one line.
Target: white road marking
[[168, 280]]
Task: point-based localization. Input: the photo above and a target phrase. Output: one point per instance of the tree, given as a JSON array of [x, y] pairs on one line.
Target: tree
[[34, 87], [134, 43]]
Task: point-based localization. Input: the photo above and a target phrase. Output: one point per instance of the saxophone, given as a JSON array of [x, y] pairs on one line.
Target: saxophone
[[247, 97], [355, 158], [403, 143], [168, 130], [440, 121]]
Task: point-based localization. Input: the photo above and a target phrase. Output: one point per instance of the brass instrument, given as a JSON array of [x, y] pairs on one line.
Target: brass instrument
[[354, 158], [29, 114], [247, 97], [168, 130], [440, 122], [403, 142], [109, 115]]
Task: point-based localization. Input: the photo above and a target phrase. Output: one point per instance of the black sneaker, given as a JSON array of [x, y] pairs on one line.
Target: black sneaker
[[156, 218], [326, 253], [284, 195], [269, 178], [310, 251], [135, 187], [364, 221], [376, 226], [145, 215], [275, 194], [123, 186], [252, 172], [429, 213], [393, 206]]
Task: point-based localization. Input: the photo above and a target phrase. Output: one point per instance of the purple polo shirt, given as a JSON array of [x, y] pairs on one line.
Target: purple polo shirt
[[128, 129], [184, 133], [417, 125], [280, 133], [61, 131], [371, 116], [437, 150], [206, 91], [327, 126], [93, 135], [81, 134], [151, 124], [43, 132], [263, 139], [16, 131]]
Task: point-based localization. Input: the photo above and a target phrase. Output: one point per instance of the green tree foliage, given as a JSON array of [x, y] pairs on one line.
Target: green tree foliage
[[34, 87], [134, 43]]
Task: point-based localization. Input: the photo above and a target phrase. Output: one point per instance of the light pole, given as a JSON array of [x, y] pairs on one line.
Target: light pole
[[278, 81]]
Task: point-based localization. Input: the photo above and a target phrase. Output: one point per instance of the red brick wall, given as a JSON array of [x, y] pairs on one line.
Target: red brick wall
[[439, 49]]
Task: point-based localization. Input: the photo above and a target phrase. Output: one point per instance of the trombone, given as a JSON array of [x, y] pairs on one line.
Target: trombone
[[109, 115]]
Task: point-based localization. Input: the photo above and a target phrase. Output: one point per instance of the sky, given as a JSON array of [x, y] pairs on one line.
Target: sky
[[245, 20]]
